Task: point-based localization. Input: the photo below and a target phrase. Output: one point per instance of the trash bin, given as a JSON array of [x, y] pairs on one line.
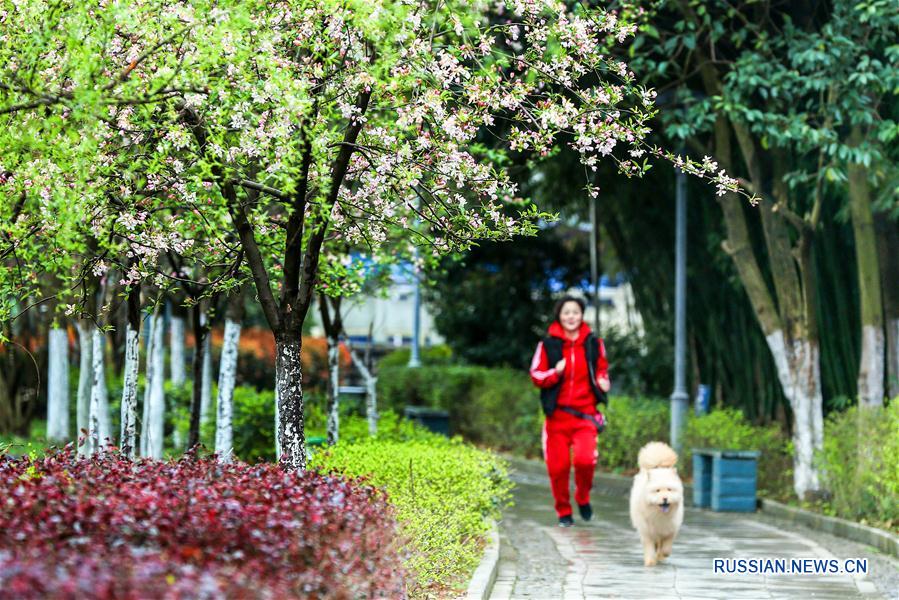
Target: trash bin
[[725, 480], [434, 419], [701, 404]]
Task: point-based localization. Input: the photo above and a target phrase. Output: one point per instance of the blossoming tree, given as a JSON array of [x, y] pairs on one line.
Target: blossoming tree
[[298, 126]]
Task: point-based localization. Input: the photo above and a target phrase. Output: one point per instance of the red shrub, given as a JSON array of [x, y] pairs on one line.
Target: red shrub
[[109, 528]]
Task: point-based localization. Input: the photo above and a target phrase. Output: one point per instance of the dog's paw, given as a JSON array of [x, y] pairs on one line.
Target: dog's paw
[[650, 562]]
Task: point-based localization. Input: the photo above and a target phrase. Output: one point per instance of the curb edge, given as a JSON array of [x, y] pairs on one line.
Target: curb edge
[[877, 538], [484, 576]]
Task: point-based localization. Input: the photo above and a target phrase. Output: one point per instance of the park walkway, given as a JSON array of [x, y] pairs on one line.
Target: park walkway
[[603, 558]]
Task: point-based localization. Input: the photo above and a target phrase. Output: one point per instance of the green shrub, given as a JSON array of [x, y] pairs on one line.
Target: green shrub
[[253, 424], [444, 491], [34, 445], [632, 422], [430, 356], [860, 464], [728, 428], [391, 427], [495, 407]]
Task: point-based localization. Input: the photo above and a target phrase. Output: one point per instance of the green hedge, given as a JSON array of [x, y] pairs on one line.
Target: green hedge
[[445, 493], [499, 408], [860, 465], [429, 356], [728, 428], [632, 422]]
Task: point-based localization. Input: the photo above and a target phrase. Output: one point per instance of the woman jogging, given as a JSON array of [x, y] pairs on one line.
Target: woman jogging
[[571, 370]]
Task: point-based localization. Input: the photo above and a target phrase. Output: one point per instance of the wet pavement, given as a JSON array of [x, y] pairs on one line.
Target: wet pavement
[[604, 559]]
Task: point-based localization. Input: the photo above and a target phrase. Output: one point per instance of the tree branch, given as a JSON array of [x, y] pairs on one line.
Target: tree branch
[[338, 172]]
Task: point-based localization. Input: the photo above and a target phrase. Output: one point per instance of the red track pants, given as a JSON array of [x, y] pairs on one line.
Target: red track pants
[[561, 433]]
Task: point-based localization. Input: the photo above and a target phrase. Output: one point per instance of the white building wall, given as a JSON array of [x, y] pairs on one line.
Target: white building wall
[[391, 317]]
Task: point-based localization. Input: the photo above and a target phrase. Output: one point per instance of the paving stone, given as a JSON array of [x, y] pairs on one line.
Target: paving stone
[[604, 558]]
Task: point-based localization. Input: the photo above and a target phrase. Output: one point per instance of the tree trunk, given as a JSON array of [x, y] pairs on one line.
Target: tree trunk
[[176, 346], [128, 431], [200, 333], [127, 435], [288, 385], [224, 403], [798, 369], [333, 326], [371, 393], [206, 389], [58, 385], [100, 428], [888, 260], [85, 381], [148, 379], [152, 442], [789, 325], [333, 427], [277, 422], [224, 435], [871, 365]]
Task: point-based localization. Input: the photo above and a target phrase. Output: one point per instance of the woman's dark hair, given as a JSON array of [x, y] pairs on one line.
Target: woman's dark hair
[[561, 302]]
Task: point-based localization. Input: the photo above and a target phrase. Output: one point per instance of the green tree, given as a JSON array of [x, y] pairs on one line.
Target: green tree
[[493, 303]]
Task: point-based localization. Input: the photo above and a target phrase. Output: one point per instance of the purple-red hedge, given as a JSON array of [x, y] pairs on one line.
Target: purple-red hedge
[[106, 527]]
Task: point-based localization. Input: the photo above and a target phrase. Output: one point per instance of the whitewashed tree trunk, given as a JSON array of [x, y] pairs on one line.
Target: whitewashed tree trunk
[[58, 385], [155, 395], [277, 422], [870, 368], [149, 326], [206, 390], [798, 368], [176, 364], [371, 393], [100, 427], [176, 350], [127, 432], [85, 382], [224, 438], [333, 420], [288, 383]]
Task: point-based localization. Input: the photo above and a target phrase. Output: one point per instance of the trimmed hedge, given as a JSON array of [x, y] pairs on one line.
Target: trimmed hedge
[[105, 527], [445, 492], [632, 422], [499, 408]]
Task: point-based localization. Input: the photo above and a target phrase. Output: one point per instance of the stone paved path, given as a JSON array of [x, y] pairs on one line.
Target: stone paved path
[[603, 558]]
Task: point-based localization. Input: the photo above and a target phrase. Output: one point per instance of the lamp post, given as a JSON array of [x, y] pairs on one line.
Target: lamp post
[[414, 355], [680, 398], [594, 260]]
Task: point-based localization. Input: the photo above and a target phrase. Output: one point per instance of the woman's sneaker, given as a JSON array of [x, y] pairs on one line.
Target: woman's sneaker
[[566, 521], [586, 511]]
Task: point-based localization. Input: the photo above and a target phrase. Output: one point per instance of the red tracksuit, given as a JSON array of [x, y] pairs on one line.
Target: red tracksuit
[[563, 431]]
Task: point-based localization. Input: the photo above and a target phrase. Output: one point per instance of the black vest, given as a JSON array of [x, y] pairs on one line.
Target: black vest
[[553, 348]]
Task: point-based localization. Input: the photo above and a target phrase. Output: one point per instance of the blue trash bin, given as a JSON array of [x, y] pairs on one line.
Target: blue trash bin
[[701, 404], [725, 480]]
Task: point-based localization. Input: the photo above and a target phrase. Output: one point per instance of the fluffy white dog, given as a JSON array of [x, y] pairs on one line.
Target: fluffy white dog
[[657, 501]]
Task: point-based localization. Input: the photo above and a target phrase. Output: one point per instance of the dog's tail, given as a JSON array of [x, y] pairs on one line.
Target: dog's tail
[[656, 455]]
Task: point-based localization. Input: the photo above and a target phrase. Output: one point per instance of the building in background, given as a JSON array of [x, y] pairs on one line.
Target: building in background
[[388, 319]]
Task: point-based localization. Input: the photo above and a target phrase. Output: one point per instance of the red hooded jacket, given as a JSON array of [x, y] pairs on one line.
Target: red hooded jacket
[[575, 390]]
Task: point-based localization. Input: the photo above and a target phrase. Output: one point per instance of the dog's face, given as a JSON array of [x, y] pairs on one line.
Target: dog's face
[[664, 492]]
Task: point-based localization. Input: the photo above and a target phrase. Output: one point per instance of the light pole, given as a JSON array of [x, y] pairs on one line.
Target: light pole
[[414, 355], [594, 260], [680, 398]]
